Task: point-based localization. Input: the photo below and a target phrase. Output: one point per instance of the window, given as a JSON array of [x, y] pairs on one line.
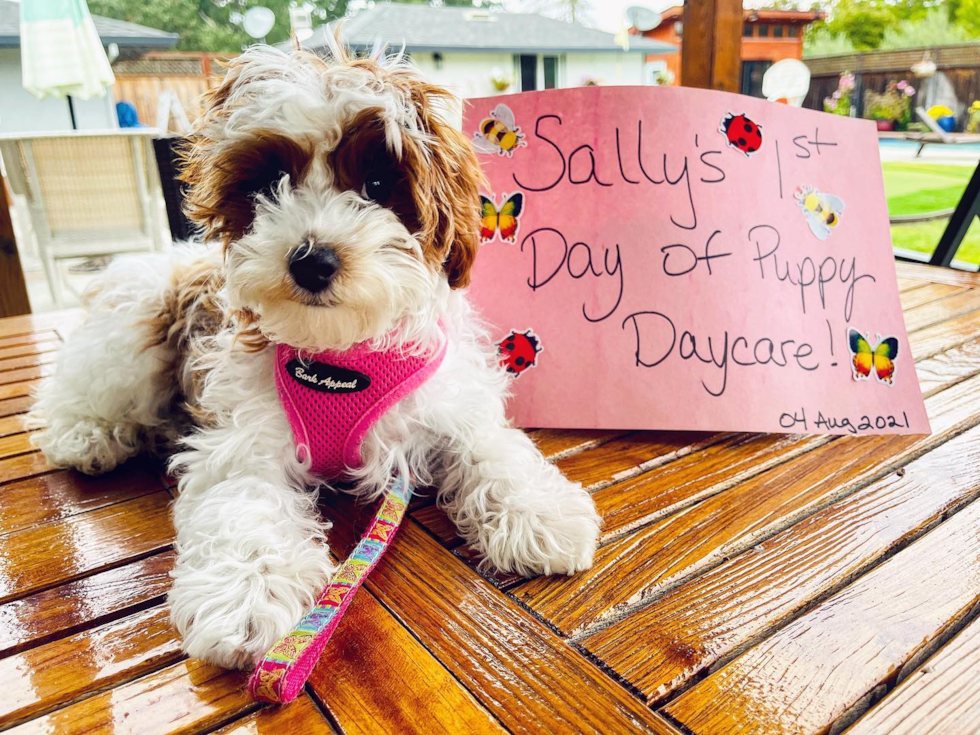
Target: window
[[777, 31], [747, 30], [752, 72], [763, 30], [550, 72], [794, 31], [529, 72]]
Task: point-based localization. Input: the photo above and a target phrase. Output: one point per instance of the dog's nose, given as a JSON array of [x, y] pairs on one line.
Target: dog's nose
[[313, 268]]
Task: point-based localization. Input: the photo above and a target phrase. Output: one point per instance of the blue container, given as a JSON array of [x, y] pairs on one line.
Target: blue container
[[947, 123]]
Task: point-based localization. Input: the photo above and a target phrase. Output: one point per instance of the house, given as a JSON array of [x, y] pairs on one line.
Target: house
[[21, 112], [768, 36], [478, 52]]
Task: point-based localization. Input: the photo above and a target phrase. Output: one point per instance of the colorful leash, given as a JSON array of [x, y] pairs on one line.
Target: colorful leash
[[280, 676]]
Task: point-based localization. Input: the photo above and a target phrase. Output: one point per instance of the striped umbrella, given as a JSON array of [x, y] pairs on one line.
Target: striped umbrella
[[61, 52]]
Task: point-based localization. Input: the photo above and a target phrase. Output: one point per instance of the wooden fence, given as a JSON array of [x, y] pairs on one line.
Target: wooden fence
[[874, 70], [142, 81]]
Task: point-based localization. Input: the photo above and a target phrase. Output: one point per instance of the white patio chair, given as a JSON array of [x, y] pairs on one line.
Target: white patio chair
[[89, 194]]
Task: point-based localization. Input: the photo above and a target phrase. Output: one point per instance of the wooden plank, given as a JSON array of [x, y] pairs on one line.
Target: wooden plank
[[941, 697], [187, 697], [301, 717], [24, 361], [10, 425], [84, 603], [51, 321], [665, 646], [55, 553], [942, 310], [824, 668], [13, 289], [944, 336], [42, 679], [948, 368], [374, 677], [632, 504], [18, 390], [924, 293], [630, 455], [11, 446], [648, 563], [23, 466], [436, 522], [13, 406], [528, 678], [933, 274], [907, 284], [560, 443], [60, 495], [46, 343], [27, 373], [628, 505]]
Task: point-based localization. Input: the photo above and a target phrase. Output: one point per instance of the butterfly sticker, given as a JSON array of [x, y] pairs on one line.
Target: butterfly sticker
[[822, 211], [867, 358], [506, 219], [499, 133]]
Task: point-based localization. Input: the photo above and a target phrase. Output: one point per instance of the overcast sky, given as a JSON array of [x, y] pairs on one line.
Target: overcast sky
[[604, 14]]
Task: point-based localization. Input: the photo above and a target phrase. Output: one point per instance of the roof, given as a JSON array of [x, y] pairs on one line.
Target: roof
[[110, 30], [425, 28], [764, 15]]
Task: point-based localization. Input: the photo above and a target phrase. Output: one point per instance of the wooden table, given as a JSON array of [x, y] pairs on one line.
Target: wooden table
[[745, 582]]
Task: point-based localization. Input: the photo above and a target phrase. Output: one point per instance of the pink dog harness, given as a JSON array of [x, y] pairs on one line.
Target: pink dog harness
[[332, 399]]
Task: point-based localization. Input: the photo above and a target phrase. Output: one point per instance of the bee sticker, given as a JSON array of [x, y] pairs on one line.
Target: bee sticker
[[741, 133], [822, 211], [498, 133], [506, 220], [878, 358], [518, 351]]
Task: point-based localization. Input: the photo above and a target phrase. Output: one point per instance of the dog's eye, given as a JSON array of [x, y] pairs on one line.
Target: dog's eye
[[378, 186]]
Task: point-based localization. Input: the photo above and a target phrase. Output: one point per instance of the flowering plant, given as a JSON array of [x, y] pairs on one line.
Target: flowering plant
[[973, 123], [839, 103], [895, 103]]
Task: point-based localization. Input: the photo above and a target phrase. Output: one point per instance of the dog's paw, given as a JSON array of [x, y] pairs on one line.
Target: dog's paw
[[85, 445], [230, 615], [555, 532]]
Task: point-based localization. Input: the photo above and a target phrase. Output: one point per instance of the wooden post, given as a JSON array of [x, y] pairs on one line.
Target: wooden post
[[711, 48], [13, 290]]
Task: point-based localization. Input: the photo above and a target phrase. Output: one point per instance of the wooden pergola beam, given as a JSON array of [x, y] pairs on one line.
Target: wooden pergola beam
[[712, 45], [13, 290]]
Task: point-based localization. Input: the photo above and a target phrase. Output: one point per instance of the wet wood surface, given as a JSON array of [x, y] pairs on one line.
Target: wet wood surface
[[744, 583]]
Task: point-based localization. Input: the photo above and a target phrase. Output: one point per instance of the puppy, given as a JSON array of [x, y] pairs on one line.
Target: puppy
[[338, 209]]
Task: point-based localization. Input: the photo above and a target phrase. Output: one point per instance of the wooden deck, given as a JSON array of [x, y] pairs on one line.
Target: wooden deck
[[745, 583]]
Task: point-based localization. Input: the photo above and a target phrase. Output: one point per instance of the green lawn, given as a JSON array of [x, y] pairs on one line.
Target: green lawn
[[917, 188]]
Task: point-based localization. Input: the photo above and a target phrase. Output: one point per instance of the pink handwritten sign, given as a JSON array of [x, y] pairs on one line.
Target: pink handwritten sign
[[661, 258]]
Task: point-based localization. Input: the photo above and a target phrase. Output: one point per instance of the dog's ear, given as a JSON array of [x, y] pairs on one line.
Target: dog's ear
[[446, 178], [225, 172]]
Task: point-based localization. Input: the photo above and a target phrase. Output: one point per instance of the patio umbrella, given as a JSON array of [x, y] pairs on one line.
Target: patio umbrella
[[61, 52]]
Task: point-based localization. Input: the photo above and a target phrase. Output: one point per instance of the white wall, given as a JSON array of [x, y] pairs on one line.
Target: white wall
[[607, 68], [468, 75], [22, 112]]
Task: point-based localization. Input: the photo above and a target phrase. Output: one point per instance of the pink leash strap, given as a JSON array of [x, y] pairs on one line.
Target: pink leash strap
[[281, 675]]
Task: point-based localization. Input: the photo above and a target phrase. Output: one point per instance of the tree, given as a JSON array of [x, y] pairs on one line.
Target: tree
[[209, 25], [206, 25], [571, 11], [862, 22], [968, 16]]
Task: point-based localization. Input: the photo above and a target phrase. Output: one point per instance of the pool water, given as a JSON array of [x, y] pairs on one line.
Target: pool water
[[899, 144]]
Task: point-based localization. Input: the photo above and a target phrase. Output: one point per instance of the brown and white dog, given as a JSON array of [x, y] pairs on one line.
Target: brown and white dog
[[346, 209]]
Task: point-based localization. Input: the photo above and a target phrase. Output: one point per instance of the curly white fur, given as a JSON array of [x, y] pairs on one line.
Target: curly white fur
[[251, 549]]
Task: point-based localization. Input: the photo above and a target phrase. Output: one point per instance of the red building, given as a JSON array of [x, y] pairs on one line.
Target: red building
[[768, 36]]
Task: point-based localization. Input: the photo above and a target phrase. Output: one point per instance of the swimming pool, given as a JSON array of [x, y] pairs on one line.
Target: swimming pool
[[897, 144]]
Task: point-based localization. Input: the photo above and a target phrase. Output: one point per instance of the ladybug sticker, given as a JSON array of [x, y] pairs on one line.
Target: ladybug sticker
[[519, 351], [741, 133]]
